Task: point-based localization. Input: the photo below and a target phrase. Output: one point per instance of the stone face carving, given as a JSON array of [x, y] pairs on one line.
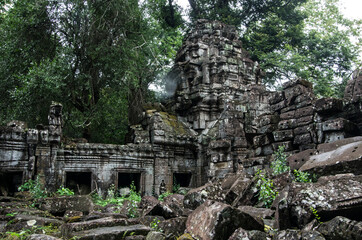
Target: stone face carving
[[221, 119]]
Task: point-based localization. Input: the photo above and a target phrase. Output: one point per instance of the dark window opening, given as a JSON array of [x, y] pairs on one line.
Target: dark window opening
[[182, 179], [10, 182], [126, 179], [79, 182]]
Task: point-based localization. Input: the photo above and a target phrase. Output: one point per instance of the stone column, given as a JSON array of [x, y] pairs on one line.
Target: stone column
[[47, 153]]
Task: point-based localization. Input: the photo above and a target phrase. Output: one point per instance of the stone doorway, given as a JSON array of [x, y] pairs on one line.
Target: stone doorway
[[125, 180], [182, 179], [10, 182], [79, 182]]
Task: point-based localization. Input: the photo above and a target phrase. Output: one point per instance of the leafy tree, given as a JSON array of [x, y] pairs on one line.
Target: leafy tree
[[26, 40], [244, 13], [323, 54], [89, 55]]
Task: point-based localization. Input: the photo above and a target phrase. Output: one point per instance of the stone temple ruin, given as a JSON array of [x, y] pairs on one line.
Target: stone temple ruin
[[220, 120]]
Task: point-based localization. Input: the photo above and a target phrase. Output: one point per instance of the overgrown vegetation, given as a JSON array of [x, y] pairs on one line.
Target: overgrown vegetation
[[266, 191], [25, 233], [63, 191], [35, 188], [279, 165], [163, 195], [300, 176], [316, 215], [132, 199], [38, 191], [155, 225]]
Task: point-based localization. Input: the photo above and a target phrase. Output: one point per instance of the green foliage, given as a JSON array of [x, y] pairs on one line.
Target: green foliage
[[11, 214], [25, 233], [302, 176], [265, 187], [134, 195], [163, 195], [243, 13], [279, 164], [89, 56], [35, 188], [132, 199], [319, 48], [155, 225], [63, 191], [316, 216]]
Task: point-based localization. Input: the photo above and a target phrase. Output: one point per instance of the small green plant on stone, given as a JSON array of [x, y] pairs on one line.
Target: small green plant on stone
[[163, 195], [316, 216], [265, 186], [279, 165], [302, 176], [63, 191], [155, 225], [25, 233]]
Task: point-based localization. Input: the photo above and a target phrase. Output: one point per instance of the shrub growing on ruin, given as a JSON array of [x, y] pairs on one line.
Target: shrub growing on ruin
[[35, 188], [63, 191], [301, 176], [279, 165], [266, 191], [163, 195]]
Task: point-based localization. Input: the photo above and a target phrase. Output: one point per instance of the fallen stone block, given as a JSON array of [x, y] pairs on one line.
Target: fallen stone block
[[258, 213], [295, 161], [237, 190], [298, 235], [241, 233], [22, 221], [112, 233], [327, 147], [165, 210], [155, 236], [344, 159], [340, 228], [196, 197], [59, 205], [42, 237], [331, 196], [173, 227], [216, 220], [70, 228]]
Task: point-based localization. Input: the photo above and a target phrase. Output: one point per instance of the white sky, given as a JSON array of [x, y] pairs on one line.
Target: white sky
[[350, 8]]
